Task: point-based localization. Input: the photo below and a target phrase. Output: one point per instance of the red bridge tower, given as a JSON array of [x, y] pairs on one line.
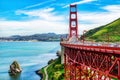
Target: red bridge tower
[[73, 23]]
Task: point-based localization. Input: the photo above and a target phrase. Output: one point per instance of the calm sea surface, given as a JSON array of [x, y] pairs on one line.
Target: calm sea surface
[[30, 55]]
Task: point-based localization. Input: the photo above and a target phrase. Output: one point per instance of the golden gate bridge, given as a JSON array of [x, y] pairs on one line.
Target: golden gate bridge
[[87, 60]]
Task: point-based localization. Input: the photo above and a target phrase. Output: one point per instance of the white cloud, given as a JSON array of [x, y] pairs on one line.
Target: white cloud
[[8, 28], [112, 8], [95, 19], [46, 21], [80, 2], [44, 14], [83, 1], [35, 5], [111, 13]]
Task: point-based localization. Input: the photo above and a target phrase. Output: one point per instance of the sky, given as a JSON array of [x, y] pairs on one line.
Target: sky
[[27, 17]]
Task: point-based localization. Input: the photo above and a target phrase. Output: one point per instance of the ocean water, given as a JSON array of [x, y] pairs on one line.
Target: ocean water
[[30, 55]]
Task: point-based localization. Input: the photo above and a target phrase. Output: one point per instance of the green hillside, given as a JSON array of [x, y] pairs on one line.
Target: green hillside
[[107, 32], [56, 70]]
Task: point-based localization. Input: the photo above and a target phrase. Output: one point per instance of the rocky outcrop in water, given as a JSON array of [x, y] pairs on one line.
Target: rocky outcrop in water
[[14, 68]]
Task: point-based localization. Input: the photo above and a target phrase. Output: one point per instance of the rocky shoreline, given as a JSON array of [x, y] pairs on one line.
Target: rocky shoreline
[[39, 72]]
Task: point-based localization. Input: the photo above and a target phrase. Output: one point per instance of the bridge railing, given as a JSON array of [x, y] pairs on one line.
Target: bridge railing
[[92, 47], [88, 43]]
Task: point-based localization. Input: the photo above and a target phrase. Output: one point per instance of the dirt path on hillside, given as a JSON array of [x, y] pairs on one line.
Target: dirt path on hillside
[[46, 74]]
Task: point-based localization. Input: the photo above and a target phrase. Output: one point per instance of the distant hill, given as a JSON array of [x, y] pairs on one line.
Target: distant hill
[[107, 32], [37, 37]]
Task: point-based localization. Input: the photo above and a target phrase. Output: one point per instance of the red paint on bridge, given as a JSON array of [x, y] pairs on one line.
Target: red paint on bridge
[[73, 23], [89, 62]]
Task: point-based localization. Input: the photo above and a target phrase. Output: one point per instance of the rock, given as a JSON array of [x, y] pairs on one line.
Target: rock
[[38, 72], [14, 68]]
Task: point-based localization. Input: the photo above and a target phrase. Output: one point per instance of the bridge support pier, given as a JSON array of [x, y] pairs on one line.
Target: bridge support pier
[[62, 54]]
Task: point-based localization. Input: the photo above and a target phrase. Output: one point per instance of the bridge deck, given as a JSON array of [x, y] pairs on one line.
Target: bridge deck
[[93, 47]]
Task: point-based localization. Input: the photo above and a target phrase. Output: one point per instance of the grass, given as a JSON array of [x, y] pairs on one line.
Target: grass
[[56, 70], [102, 33], [99, 32]]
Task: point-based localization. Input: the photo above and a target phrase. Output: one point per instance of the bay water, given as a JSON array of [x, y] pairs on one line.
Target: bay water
[[30, 55]]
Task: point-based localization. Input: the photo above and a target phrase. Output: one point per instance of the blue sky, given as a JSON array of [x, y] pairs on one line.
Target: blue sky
[[25, 17]]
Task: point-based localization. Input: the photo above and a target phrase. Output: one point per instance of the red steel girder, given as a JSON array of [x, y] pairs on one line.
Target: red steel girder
[[81, 64]]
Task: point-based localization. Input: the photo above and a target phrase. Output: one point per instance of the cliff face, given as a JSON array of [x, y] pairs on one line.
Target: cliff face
[[102, 33]]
